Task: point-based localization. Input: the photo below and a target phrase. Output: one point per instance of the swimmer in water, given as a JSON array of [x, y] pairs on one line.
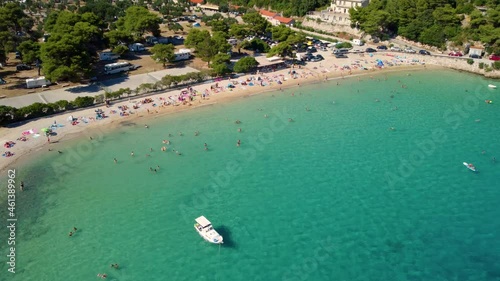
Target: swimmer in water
[[239, 129], [238, 143], [196, 133], [116, 161], [70, 234], [265, 116], [290, 120], [132, 153], [146, 126]]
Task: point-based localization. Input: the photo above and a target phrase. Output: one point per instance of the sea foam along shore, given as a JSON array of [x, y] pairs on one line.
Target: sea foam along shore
[[313, 73]]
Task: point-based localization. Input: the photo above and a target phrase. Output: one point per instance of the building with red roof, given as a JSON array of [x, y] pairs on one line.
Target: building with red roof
[[267, 14], [277, 20]]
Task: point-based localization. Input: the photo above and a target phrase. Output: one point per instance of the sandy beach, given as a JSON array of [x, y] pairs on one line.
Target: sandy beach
[[142, 108]]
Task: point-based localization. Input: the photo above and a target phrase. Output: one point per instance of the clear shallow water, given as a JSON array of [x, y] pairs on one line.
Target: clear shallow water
[[334, 195]]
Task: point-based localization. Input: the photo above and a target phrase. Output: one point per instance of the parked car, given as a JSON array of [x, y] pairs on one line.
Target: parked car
[[312, 50], [18, 55], [495, 57], [474, 56], [396, 49], [410, 50], [382, 47], [317, 58], [23, 66], [340, 56], [455, 54], [370, 50], [424, 52]]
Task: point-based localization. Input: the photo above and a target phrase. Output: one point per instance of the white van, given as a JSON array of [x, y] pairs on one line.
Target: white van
[[357, 42]]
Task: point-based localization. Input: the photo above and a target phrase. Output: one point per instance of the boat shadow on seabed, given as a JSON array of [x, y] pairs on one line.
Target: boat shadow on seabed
[[226, 233]]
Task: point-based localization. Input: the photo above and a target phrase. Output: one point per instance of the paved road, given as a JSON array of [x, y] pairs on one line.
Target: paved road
[[72, 93]]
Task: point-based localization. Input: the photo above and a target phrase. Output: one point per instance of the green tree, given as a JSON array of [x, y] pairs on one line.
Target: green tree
[[138, 20], [103, 9], [207, 46], [163, 53], [13, 18], [238, 31], [8, 114], [30, 51], [281, 33], [256, 23], [283, 49], [83, 102], [256, 44], [115, 37], [245, 64], [195, 37], [175, 27], [120, 50]]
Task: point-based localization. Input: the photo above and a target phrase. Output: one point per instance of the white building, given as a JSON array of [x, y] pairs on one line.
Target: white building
[[338, 12]]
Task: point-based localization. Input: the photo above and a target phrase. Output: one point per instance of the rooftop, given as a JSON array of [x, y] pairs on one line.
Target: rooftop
[[203, 221], [283, 19], [267, 13], [196, 1]]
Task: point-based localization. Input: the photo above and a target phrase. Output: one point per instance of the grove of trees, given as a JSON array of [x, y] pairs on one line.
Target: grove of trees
[[432, 22]]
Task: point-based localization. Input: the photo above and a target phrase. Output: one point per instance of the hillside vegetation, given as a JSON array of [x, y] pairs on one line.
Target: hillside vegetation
[[433, 22]]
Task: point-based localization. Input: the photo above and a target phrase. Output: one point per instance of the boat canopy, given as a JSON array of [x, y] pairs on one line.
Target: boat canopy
[[203, 221]]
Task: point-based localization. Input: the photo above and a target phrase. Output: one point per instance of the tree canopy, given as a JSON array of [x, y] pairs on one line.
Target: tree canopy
[[287, 7], [207, 46], [68, 53], [138, 20], [163, 53], [433, 22], [245, 64]]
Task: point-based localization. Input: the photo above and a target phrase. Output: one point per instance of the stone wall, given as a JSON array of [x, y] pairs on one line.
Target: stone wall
[[329, 27]]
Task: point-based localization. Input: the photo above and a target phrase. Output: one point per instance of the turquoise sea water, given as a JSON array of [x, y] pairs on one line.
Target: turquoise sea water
[[333, 195]]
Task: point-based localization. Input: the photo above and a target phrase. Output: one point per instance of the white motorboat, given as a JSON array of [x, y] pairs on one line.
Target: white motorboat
[[206, 230], [492, 86], [470, 166]]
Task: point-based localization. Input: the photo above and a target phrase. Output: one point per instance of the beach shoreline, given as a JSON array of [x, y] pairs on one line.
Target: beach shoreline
[[147, 112]]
